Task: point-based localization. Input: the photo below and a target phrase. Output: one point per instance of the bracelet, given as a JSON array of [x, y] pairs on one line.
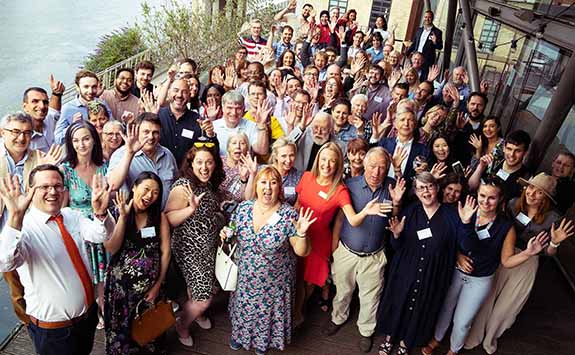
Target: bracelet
[[57, 94], [244, 181], [300, 235], [553, 245], [101, 216], [262, 129]]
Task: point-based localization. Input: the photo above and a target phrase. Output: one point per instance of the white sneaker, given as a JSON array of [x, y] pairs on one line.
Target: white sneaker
[[205, 323], [189, 341]]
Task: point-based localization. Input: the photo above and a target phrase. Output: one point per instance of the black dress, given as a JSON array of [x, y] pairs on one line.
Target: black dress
[[420, 274]]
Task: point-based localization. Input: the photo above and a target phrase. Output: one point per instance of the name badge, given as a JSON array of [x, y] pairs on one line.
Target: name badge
[[483, 234], [274, 218], [148, 232], [424, 234], [322, 195], [523, 219], [186, 133], [289, 190], [378, 99], [503, 175]]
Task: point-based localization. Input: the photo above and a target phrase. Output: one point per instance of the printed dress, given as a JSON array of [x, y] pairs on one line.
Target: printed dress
[[133, 270], [260, 308], [194, 244], [81, 200]]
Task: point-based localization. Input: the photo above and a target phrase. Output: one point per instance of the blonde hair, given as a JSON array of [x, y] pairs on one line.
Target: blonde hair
[[269, 171], [337, 178], [280, 143]]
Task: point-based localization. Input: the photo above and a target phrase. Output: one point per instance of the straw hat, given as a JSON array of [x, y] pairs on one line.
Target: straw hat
[[544, 182]]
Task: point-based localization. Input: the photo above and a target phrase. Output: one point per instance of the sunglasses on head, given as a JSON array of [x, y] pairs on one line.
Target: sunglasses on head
[[204, 144]]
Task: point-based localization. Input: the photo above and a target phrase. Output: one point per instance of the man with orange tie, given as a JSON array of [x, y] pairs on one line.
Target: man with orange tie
[[45, 244]]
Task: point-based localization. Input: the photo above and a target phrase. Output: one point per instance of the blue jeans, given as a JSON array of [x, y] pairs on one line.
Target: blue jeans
[[464, 298], [77, 339]]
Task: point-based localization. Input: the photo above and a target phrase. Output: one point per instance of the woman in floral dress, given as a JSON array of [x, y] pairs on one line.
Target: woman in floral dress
[[140, 248], [269, 238], [84, 159]]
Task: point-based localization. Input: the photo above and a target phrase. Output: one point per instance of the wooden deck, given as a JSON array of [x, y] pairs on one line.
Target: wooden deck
[[544, 327]]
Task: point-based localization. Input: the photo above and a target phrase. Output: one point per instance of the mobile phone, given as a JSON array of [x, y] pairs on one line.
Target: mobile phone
[[458, 168]]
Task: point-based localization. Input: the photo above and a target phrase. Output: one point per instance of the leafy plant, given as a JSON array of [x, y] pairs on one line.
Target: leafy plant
[[115, 47]]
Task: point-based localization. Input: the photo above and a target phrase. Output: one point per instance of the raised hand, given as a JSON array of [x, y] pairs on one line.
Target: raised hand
[[11, 193], [263, 111], [304, 221], [307, 116], [358, 123], [433, 38], [476, 141], [53, 156], [438, 170], [290, 118], [281, 89], [486, 160], [148, 102], [396, 226], [396, 193], [248, 166], [292, 4], [313, 90], [191, 198], [208, 127], [77, 117], [56, 86], [230, 74], [537, 243], [433, 72], [377, 128], [100, 194], [358, 64], [122, 206], [399, 155], [211, 109], [131, 138], [467, 211], [454, 94], [341, 34], [565, 230], [484, 86], [461, 120]]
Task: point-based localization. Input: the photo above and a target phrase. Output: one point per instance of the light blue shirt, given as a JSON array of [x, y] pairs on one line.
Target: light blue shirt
[[14, 168], [223, 132], [68, 111], [165, 167], [43, 141], [376, 56]]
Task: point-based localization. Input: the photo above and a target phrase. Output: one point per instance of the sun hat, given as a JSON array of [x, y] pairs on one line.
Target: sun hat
[[545, 182]]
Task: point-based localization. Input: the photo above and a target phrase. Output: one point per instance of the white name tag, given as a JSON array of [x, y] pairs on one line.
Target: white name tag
[[322, 195], [186, 133], [483, 234], [148, 232], [289, 190], [424, 233], [523, 219], [378, 99], [503, 175], [274, 218]]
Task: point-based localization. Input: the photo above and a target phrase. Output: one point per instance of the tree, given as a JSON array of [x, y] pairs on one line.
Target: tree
[[178, 30], [115, 47]]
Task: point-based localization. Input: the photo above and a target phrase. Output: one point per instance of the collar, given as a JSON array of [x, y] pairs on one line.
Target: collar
[[77, 102], [4, 152], [159, 153], [38, 215], [117, 96], [408, 143]]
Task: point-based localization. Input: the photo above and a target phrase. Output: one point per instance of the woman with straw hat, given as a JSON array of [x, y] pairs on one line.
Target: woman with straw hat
[[532, 213]]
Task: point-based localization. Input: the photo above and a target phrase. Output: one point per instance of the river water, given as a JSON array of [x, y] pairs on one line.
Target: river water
[[39, 37]]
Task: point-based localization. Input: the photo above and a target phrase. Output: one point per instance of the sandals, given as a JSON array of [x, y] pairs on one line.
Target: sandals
[[385, 348], [402, 350], [430, 347]]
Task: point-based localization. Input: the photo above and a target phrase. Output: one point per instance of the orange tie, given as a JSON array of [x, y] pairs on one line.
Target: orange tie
[[76, 259]]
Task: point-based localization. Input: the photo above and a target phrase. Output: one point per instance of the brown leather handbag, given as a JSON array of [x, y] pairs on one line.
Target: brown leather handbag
[[153, 322]]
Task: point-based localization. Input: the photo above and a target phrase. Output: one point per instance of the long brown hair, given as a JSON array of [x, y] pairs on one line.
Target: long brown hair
[[541, 210], [338, 175]]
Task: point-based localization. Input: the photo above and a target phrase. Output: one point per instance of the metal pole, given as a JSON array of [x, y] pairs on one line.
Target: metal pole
[[449, 30], [469, 44], [427, 5], [561, 102]]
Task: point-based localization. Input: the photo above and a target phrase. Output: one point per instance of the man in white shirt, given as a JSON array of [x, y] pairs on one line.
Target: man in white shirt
[[233, 122], [46, 245]]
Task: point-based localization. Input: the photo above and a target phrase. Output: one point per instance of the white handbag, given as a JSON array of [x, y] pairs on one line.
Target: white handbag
[[226, 269]]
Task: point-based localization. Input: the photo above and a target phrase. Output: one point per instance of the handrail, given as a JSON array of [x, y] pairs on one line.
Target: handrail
[[108, 75]]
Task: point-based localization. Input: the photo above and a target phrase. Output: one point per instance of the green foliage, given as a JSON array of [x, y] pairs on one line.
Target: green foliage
[[177, 30], [115, 47]]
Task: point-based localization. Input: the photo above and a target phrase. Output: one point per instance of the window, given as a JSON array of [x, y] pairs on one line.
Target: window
[[342, 4], [379, 8], [489, 34]]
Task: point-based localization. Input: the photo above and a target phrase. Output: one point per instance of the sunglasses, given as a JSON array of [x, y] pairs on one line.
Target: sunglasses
[[204, 144]]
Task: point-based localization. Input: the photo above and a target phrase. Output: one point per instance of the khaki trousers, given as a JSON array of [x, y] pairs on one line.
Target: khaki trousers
[[349, 269], [16, 295]]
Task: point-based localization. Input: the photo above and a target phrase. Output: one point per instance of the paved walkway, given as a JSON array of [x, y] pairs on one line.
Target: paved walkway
[[546, 326]]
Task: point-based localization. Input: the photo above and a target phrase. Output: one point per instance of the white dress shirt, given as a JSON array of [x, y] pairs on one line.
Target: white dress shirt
[[52, 289], [407, 146], [424, 36], [223, 132]]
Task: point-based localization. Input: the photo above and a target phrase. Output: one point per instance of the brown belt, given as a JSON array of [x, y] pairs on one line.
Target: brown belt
[[58, 324]]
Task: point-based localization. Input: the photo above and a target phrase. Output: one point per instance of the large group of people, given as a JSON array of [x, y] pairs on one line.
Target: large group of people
[[323, 153]]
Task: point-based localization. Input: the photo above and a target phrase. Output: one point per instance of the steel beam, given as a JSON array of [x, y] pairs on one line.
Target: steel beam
[[469, 43], [561, 102], [449, 30]]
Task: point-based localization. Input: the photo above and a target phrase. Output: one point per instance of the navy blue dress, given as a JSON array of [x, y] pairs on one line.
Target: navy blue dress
[[420, 274]]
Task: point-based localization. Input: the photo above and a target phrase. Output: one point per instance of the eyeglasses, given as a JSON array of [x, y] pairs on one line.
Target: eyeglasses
[[16, 132], [425, 188], [204, 144], [57, 188], [115, 134]]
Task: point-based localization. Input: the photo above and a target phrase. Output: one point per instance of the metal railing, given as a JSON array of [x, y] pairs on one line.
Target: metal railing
[[108, 75]]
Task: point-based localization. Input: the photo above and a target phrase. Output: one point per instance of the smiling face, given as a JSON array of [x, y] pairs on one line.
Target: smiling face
[[328, 163], [16, 136], [145, 194], [426, 192], [180, 95], [112, 136], [83, 142], [287, 35], [410, 77], [374, 76], [285, 159], [405, 124], [149, 136], [356, 158], [256, 29], [87, 88], [452, 193], [393, 58], [440, 149], [36, 105], [233, 113], [488, 198], [144, 77], [203, 166], [256, 94], [417, 61], [475, 107], [98, 119], [331, 88], [123, 82], [288, 59], [268, 189], [340, 114], [514, 154], [534, 196], [490, 129], [50, 192], [358, 108], [563, 166]]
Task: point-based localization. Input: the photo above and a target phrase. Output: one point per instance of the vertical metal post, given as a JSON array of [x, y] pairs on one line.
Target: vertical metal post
[[469, 44], [427, 5], [449, 30], [561, 102]]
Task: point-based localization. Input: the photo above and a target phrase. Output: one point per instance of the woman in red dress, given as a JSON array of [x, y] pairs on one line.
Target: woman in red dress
[[323, 191]]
